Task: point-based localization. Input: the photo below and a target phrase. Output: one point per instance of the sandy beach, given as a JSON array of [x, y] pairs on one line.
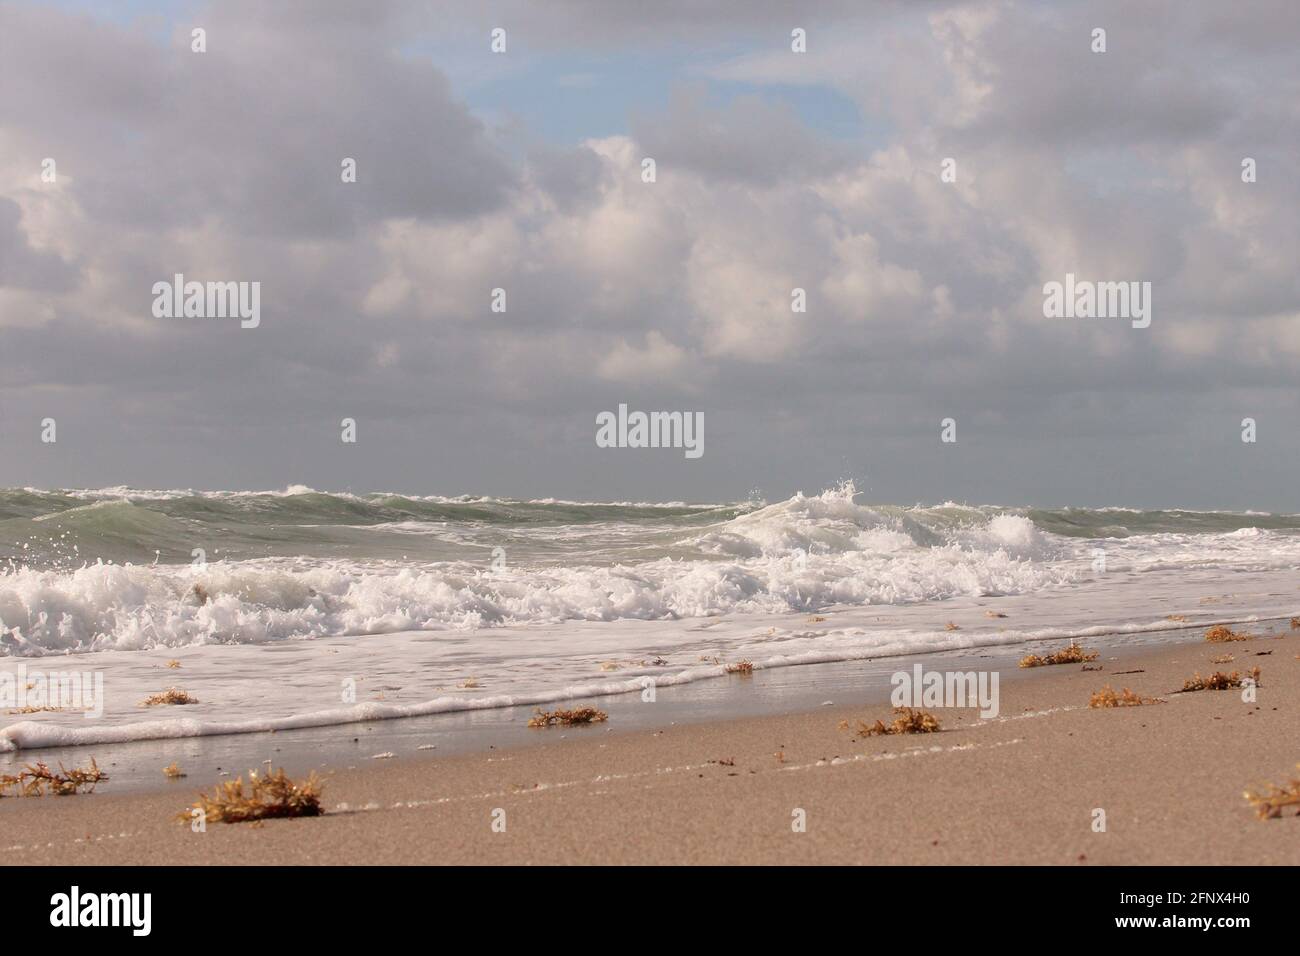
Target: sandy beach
[[1022, 788]]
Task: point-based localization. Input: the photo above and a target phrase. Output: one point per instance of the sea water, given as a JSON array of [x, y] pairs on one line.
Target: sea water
[[302, 608]]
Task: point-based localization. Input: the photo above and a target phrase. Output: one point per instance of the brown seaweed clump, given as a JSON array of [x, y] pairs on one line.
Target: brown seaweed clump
[[1220, 681], [270, 795], [1074, 654], [1274, 800], [171, 695], [38, 780], [1222, 634], [906, 721], [744, 669], [567, 718], [1106, 697]]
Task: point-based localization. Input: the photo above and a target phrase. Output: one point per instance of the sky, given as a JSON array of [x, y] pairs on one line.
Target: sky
[[775, 170]]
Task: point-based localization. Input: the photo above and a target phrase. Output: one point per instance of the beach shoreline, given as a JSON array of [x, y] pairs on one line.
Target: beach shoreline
[[766, 690], [1020, 788]]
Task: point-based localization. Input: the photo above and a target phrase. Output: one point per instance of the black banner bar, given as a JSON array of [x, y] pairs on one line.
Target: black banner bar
[[331, 905]]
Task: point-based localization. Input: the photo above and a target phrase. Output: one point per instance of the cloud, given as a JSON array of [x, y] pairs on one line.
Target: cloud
[[23, 267], [571, 177], [923, 296], [749, 140], [253, 132], [658, 360]]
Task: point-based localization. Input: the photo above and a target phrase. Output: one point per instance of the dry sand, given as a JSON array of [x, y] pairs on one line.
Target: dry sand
[[1021, 788]]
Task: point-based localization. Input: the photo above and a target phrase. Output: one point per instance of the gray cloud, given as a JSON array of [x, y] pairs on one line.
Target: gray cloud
[[749, 140], [573, 178], [924, 297], [251, 133], [23, 267]]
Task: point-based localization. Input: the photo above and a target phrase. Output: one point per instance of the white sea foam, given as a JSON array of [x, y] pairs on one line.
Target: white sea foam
[[266, 640], [102, 607], [802, 554], [296, 684], [128, 493]]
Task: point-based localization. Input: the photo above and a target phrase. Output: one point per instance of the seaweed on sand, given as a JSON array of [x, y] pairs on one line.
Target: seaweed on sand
[[1272, 801], [1220, 681], [1222, 634], [171, 695], [37, 780], [567, 718], [1106, 697], [906, 721], [271, 794], [1074, 654]]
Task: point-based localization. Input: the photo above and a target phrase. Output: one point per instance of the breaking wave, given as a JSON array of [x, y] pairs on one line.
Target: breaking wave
[[123, 569]]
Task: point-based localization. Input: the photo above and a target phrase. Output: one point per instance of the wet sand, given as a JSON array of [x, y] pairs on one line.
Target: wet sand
[[1021, 788]]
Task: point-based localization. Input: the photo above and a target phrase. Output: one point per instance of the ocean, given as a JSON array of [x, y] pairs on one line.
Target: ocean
[[304, 608]]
